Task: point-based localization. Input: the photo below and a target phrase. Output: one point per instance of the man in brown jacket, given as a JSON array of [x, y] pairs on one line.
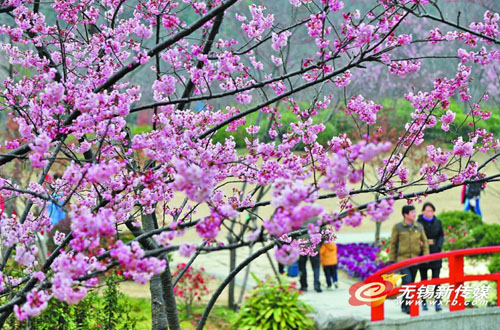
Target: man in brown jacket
[[408, 240]]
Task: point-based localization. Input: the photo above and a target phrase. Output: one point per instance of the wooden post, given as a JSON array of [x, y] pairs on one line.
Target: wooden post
[[498, 292], [457, 301], [414, 307], [378, 312]]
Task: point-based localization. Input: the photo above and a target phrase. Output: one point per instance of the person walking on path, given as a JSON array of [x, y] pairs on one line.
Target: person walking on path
[[435, 237], [55, 211], [315, 262], [328, 257], [303, 272], [408, 240], [472, 194]]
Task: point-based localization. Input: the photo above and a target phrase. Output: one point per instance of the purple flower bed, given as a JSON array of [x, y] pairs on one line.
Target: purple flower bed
[[359, 259]]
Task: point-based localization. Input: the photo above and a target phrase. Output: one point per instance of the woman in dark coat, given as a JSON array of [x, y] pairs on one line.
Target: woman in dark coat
[[435, 236]]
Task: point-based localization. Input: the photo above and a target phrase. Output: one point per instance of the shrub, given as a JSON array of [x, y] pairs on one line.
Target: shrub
[[111, 311], [274, 304], [458, 227], [458, 237], [466, 230], [393, 117], [488, 234], [332, 127], [479, 232], [494, 266], [458, 128], [192, 286], [457, 218], [139, 129]]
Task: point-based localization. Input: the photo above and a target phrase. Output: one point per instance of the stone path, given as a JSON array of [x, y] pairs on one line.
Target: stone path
[[336, 303], [217, 263], [333, 302]]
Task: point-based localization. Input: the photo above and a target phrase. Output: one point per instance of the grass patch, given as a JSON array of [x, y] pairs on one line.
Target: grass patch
[[220, 317], [140, 309]]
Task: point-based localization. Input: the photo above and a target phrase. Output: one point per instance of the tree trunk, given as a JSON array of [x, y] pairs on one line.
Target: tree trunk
[[377, 233], [245, 280], [232, 266], [169, 298], [165, 290], [158, 311]]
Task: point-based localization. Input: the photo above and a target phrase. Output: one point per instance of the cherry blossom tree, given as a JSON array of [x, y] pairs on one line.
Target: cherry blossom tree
[[73, 89]]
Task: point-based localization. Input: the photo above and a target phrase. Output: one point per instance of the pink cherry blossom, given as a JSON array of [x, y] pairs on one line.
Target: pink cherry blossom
[[186, 250], [446, 119], [40, 147], [171, 118], [280, 40], [259, 23], [380, 211], [367, 110], [287, 254], [463, 149]]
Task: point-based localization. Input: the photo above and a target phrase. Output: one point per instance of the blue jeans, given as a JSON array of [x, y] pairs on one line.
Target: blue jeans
[[477, 208], [303, 272], [409, 277]]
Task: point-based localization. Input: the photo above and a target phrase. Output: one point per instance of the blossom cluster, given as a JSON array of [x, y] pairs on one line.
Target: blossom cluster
[[73, 96]]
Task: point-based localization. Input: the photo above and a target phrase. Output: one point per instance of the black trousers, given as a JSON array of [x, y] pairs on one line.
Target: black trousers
[[281, 268], [315, 263], [424, 269], [330, 274]]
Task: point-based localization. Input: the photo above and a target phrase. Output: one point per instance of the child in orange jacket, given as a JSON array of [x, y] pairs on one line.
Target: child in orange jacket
[[328, 257]]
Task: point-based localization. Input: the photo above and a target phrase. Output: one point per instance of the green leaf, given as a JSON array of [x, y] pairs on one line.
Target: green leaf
[[256, 279], [277, 315]]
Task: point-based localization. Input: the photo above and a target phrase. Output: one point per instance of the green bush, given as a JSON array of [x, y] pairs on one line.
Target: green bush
[[487, 234], [275, 305], [393, 117], [339, 122], [458, 128], [494, 266], [110, 311], [141, 129], [458, 238], [466, 230], [458, 228], [478, 233], [457, 218]]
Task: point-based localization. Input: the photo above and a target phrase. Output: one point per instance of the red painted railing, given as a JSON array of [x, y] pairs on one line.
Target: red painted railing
[[456, 277]]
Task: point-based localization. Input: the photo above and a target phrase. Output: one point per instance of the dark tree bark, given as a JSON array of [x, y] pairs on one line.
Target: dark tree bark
[[169, 298], [232, 265], [163, 305], [158, 310]]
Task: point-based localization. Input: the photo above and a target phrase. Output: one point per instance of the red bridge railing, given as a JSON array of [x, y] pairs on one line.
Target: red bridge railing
[[456, 277]]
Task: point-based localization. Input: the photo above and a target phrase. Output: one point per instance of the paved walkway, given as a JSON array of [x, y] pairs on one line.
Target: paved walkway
[[217, 264], [336, 302]]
